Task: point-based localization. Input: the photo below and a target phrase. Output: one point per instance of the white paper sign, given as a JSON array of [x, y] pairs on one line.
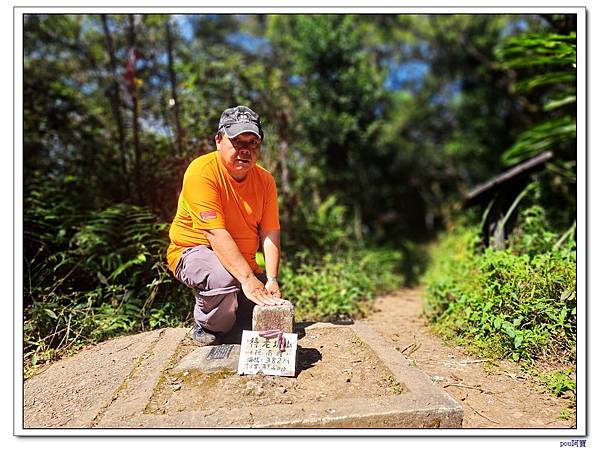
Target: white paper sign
[[259, 354]]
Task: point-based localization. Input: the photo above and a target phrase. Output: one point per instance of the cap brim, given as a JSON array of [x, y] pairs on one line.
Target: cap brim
[[238, 128]]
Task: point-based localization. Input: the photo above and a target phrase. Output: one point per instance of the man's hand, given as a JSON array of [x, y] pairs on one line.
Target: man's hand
[[272, 288], [255, 291]]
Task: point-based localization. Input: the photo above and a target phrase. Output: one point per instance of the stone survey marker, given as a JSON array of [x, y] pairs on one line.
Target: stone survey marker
[[260, 354], [257, 357], [280, 317]]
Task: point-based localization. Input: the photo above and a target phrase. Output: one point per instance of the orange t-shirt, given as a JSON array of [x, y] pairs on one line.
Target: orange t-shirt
[[211, 198]]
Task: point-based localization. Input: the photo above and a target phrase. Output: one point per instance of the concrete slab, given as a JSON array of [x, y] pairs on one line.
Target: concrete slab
[[422, 405], [411, 411], [84, 384], [136, 391], [427, 401], [210, 359]]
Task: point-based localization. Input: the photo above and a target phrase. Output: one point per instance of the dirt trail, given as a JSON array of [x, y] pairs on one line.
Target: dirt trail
[[497, 395]]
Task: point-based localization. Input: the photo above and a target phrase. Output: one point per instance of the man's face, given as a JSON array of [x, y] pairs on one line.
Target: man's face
[[238, 154]]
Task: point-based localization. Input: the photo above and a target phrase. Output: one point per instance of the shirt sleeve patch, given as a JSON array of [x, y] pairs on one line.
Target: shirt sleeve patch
[[208, 215]]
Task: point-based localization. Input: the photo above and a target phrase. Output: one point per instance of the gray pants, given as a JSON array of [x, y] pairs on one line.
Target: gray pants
[[219, 297]]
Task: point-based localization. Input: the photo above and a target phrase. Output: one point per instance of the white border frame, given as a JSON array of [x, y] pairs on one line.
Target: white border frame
[[308, 7]]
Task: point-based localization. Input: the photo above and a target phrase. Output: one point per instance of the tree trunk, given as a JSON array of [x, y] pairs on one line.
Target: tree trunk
[[282, 128], [135, 124], [115, 100], [173, 78]]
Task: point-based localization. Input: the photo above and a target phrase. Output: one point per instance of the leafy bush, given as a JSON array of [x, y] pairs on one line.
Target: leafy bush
[[511, 303], [339, 286], [544, 61], [326, 272], [321, 227], [110, 278]]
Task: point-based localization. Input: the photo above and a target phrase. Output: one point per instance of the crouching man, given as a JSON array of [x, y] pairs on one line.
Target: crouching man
[[226, 209]]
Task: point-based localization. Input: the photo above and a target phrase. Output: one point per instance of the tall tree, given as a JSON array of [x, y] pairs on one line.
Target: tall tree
[[341, 86], [173, 79], [116, 103], [133, 54]]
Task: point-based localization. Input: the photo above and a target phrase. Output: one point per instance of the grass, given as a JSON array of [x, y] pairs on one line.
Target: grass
[[394, 386], [566, 414], [560, 382]]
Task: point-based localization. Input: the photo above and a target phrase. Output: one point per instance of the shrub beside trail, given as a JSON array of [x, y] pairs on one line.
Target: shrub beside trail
[[518, 303]]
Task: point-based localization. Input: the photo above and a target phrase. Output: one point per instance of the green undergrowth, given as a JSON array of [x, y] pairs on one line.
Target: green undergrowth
[[92, 277], [339, 286], [517, 304], [560, 381]]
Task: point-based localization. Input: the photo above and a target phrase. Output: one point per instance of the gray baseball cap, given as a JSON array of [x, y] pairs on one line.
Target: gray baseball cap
[[240, 119]]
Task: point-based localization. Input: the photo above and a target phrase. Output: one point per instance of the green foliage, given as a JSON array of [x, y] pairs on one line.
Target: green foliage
[[534, 234], [339, 286], [443, 130], [323, 84], [560, 382], [110, 280], [322, 228], [547, 63], [543, 136], [106, 276], [520, 303], [339, 88], [539, 49], [514, 303]]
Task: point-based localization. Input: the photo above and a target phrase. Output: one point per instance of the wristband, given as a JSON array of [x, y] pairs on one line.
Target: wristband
[[271, 279]]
